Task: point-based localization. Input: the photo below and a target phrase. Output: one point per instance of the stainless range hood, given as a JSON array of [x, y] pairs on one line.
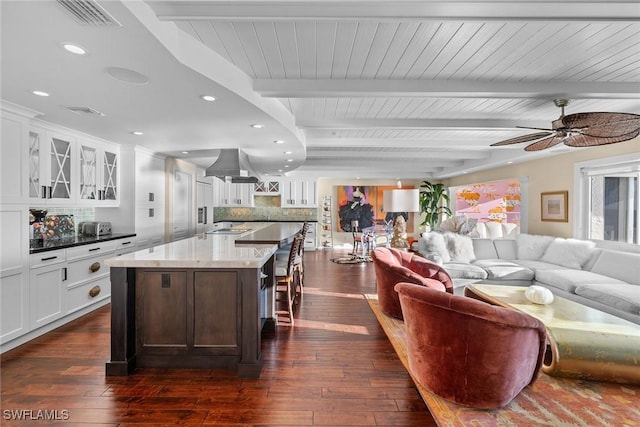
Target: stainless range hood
[[232, 163]]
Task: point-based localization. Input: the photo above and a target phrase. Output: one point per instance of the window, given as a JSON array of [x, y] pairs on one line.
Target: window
[[610, 200]]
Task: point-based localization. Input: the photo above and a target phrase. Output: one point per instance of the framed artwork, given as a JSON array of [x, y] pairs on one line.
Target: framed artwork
[[555, 206], [364, 205]]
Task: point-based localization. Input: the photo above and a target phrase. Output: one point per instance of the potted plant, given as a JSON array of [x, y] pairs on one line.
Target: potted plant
[[434, 202]]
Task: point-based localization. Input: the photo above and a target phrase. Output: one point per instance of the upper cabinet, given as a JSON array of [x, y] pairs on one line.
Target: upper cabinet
[[98, 174], [233, 195], [65, 169], [52, 167], [298, 194], [266, 188], [13, 157]]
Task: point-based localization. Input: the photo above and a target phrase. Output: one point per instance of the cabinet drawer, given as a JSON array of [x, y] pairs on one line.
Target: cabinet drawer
[[47, 258], [82, 295], [87, 268], [90, 250], [124, 246]]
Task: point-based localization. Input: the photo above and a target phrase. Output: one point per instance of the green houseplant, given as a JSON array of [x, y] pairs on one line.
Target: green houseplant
[[434, 201]]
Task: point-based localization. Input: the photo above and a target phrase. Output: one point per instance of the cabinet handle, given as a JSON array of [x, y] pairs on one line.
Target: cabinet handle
[[64, 274], [44, 192], [95, 291], [94, 267], [49, 192], [125, 243], [48, 258], [94, 249]]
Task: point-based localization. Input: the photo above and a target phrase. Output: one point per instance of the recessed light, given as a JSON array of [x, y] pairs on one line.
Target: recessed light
[[137, 133], [280, 170], [286, 166], [288, 152], [208, 98], [289, 160], [40, 93], [184, 152], [279, 141], [74, 48], [257, 126], [509, 163]]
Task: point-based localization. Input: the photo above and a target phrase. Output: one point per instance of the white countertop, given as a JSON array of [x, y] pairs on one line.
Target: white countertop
[[201, 251]]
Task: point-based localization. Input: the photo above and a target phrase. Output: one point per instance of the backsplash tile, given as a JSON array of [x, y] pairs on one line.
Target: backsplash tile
[[265, 214], [79, 214]]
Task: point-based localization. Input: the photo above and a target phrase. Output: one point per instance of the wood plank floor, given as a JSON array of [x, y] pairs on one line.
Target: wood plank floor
[[334, 367]]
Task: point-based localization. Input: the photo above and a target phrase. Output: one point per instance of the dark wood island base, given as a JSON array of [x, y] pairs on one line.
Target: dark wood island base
[[189, 318]]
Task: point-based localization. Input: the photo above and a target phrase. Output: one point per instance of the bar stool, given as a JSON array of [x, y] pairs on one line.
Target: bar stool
[[288, 280]]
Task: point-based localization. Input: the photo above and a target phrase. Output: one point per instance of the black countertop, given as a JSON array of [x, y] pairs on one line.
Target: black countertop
[[40, 245]]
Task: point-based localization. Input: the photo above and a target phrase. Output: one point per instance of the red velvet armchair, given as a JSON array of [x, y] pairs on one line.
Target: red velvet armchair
[[468, 351], [394, 266]]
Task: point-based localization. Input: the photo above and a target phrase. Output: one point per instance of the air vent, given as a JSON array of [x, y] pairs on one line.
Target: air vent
[[86, 111], [89, 12]]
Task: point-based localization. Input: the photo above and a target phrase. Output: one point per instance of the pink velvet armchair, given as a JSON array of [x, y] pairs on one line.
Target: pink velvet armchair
[[393, 266], [468, 351]]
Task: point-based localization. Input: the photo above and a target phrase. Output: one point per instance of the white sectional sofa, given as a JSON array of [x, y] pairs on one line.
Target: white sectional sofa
[[602, 275]]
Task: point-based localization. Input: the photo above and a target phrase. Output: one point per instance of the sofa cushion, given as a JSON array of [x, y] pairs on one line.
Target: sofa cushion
[[622, 297], [532, 246], [460, 247], [568, 279], [484, 249], [572, 253], [504, 270], [536, 265], [506, 248], [463, 270], [620, 265]]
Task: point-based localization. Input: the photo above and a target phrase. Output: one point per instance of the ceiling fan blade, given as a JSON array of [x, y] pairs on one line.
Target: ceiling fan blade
[[602, 125], [528, 127], [523, 138], [581, 140], [543, 144]]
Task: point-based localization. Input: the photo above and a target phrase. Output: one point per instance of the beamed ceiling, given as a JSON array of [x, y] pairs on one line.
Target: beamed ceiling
[[373, 89]]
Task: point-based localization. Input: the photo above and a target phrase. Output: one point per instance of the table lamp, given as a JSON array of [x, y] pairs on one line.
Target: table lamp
[[400, 200]]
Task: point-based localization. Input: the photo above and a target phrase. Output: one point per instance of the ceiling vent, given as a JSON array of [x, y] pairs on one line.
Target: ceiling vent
[[86, 111], [89, 12]]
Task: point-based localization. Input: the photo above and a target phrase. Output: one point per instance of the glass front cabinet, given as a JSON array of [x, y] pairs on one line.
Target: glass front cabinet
[[52, 167], [98, 174], [66, 170]]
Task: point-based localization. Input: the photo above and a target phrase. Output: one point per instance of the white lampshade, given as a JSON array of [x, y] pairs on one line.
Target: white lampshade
[[401, 200]]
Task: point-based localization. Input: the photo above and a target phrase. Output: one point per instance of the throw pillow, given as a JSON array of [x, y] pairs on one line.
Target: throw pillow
[[571, 253], [531, 246], [460, 247], [433, 247]]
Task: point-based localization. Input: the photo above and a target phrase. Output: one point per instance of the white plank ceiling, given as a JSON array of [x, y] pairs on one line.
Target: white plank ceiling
[[372, 89]]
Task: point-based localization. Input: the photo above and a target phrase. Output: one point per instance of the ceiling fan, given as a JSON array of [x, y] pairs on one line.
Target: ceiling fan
[[580, 130]]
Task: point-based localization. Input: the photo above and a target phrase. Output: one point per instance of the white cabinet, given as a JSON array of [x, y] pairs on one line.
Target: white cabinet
[[14, 273], [87, 278], [46, 284], [266, 188], [13, 142], [234, 195], [98, 174], [298, 194], [52, 167]]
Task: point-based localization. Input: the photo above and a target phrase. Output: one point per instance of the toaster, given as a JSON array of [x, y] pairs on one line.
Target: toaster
[[95, 228]]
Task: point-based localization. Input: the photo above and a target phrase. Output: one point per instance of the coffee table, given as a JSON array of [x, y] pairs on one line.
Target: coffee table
[[582, 342]]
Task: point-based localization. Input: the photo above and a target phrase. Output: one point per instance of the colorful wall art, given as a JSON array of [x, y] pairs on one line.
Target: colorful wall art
[[494, 201], [364, 204]]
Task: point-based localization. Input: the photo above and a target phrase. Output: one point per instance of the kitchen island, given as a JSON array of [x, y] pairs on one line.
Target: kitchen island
[[200, 302]]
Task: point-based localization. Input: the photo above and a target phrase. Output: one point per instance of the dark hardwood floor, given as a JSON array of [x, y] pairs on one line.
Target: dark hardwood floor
[[334, 367]]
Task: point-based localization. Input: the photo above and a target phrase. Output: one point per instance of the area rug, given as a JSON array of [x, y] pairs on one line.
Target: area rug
[[550, 401], [352, 259]]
